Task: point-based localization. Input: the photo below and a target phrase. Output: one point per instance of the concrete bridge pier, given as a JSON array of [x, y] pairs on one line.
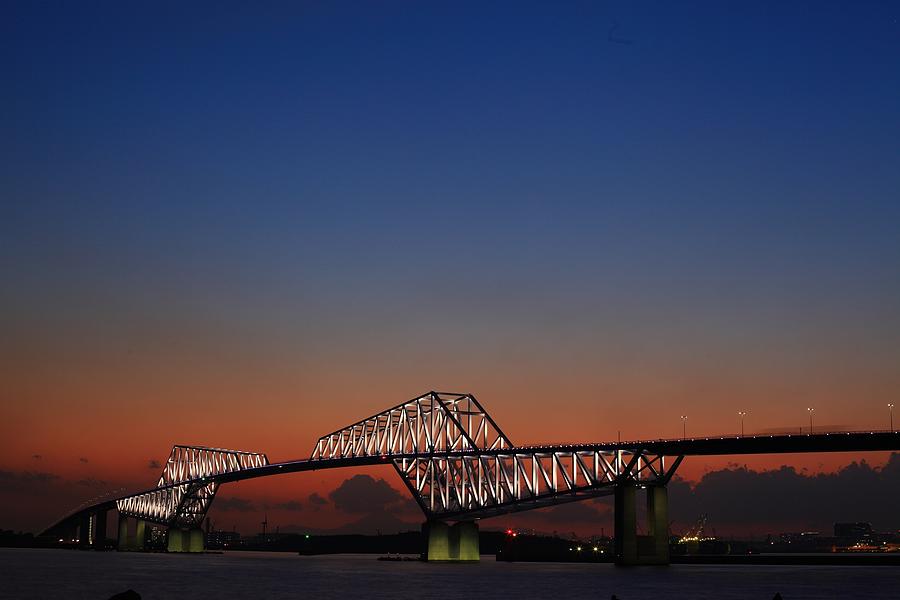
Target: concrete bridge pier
[[98, 540], [658, 523], [186, 540], [126, 541], [140, 535], [84, 530], [122, 539], [634, 549], [457, 542]]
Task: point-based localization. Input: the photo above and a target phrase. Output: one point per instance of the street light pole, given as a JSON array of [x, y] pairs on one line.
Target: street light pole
[[742, 413], [891, 407], [683, 426], [810, 411]]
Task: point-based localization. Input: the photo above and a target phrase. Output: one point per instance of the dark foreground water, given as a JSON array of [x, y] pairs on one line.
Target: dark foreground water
[[98, 575]]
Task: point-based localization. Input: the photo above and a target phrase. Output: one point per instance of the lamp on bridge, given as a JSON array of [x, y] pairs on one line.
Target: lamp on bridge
[[683, 426], [742, 413], [810, 411], [891, 408]]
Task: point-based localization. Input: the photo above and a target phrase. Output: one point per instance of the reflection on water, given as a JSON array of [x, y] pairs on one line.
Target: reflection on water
[[76, 574]]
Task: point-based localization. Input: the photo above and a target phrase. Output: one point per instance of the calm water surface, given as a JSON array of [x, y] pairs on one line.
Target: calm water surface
[[78, 574]]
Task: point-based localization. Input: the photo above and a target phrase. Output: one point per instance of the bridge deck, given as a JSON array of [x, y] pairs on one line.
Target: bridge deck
[[844, 441], [866, 441]]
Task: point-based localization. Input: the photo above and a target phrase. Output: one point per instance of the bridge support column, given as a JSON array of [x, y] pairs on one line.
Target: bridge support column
[[658, 520], [464, 541], [625, 523], [84, 530], [72, 530], [196, 540], [175, 540], [458, 542], [437, 540], [630, 548], [131, 542], [186, 540], [99, 537], [122, 540], [140, 535]]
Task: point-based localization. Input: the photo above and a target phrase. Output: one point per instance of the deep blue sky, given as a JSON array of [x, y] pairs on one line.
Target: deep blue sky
[[650, 207], [527, 136]]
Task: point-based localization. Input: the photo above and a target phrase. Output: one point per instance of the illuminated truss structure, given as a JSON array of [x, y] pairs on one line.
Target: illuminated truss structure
[[458, 464], [449, 452], [456, 461], [186, 489], [432, 423], [490, 484]]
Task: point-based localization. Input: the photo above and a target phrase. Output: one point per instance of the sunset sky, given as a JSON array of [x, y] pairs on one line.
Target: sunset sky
[[246, 227]]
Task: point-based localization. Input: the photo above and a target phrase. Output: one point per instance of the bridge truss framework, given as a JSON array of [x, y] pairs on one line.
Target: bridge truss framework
[[459, 465]]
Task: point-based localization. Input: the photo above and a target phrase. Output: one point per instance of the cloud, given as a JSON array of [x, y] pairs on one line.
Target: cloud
[[37, 456], [28, 476], [573, 511], [585, 516], [21, 480], [378, 523], [154, 464], [91, 482], [738, 498], [83, 460], [361, 494], [292, 505], [741, 501], [234, 504], [316, 500]]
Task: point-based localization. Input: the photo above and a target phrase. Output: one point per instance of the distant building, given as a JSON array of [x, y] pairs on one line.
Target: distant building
[[260, 540], [217, 540], [156, 538], [852, 530]]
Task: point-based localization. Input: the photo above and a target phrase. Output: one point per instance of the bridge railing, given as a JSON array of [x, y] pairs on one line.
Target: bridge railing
[[782, 433]]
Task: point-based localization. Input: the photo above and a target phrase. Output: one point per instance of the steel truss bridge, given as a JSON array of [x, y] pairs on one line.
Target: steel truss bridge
[[457, 464]]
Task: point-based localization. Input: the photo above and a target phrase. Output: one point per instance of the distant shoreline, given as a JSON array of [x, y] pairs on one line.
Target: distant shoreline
[[838, 558]]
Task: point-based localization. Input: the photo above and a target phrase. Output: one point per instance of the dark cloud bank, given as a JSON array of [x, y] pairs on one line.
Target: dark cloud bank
[[317, 501], [737, 500], [361, 494], [784, 499], [375, 505], [15, 481], [234, 503], [290, 505]]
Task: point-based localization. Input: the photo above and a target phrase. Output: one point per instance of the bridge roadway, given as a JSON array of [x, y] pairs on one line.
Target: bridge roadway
[[451, 482], [849, 441], [459, 467]]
